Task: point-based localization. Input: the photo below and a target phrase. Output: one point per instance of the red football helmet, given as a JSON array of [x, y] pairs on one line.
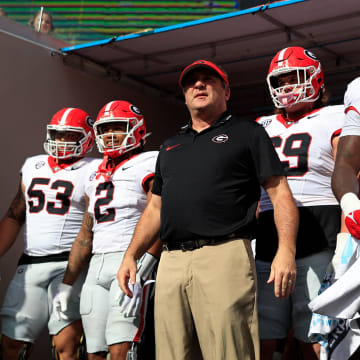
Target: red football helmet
[[310, 77], [134, 128], [71, 120]]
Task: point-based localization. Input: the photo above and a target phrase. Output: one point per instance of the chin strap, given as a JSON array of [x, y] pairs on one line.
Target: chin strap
[[105, 169]]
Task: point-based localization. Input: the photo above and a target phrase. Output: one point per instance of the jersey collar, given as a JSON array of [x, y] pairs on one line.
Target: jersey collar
[[223, 118], [106, 170], [55, 167], [287, 123]]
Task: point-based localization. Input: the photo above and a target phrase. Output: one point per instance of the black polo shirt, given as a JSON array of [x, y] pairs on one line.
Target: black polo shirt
[[209, 182]]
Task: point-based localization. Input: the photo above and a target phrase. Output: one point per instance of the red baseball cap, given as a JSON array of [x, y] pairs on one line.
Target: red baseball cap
[[203, 64]]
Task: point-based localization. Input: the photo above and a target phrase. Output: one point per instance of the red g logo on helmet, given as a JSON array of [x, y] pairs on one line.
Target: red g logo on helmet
[[135, 110], [90, 122], [310, 55]]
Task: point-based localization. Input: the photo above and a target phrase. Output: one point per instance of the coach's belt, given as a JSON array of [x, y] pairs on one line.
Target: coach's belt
[[198, 243]]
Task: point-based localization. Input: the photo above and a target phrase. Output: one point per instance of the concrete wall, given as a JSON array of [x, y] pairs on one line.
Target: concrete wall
[[35, 83]]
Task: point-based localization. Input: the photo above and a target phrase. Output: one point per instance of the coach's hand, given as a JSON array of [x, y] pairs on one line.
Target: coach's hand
[[131, 301], [283, 273], [127, 274], [61, 300], [350, 205]]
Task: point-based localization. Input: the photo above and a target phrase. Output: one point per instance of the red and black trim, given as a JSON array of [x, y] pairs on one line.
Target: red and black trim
[[335, 134], [143, 310], [353, 108], [146, 180], [106, 170]]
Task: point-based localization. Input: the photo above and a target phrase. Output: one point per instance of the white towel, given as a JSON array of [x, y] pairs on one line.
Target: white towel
[[344, 340], [322, 326], [341, 299]]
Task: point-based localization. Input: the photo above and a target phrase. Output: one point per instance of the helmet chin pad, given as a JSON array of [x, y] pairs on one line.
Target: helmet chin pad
[[114, 153]]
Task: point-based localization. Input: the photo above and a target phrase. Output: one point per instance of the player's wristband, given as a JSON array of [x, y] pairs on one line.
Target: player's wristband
[[341, 240], [145, 265], [349, 202]]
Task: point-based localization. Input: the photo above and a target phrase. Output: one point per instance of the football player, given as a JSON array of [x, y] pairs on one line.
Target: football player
[[116, 194], [305, 134], [51, 203], [345, 185], [346, 173]]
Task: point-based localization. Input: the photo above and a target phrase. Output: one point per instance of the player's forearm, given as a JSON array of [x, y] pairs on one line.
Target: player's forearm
[[11, 223], [79, 257], [344, 180], [347, 166], [81, 249], [156, 248]]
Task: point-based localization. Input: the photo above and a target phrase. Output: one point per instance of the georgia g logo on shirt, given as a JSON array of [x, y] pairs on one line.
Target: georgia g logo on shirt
[[218, 139]]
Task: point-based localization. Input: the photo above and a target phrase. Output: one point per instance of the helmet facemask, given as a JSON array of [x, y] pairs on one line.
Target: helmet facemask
[[119, 118], [66, 149], [295, 75], [291, 94], [107, 141]]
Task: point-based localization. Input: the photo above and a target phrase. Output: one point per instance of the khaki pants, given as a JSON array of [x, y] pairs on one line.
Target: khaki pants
[[207, 297]]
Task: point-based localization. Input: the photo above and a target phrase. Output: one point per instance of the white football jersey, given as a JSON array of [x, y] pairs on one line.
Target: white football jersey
[[305, 150], [352, 109], [55, 203], [117, 204]]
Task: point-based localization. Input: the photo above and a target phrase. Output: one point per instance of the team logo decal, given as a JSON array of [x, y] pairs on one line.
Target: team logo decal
[[39, 164], [218, 139], [265, 122], [92, 176], [135, 110], [311, 55], [90, 121]]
